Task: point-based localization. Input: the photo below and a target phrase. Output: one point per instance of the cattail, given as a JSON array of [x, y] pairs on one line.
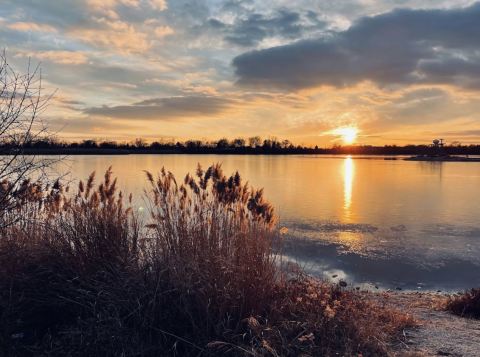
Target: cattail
[[89, 187], [237, 179], [112, 189], [108, 175], [149, 177], [199, 171]]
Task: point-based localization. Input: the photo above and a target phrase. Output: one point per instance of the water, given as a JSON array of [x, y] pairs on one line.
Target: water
[[389, 223]]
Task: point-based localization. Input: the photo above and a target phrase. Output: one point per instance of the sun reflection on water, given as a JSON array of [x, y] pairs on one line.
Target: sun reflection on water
[[348, 175]]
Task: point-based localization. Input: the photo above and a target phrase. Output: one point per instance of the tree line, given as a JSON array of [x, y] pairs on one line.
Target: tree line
[[251, 145]]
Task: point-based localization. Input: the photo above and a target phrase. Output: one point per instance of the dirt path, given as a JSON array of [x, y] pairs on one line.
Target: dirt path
[[440, 333]]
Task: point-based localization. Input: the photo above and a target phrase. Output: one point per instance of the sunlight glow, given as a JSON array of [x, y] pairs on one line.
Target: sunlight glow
[[348, 173], [348, 134]]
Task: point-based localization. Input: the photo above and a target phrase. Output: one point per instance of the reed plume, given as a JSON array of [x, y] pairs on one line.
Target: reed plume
[[83, 273]]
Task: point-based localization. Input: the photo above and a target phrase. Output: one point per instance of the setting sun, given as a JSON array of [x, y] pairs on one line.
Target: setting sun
[[347, 134]]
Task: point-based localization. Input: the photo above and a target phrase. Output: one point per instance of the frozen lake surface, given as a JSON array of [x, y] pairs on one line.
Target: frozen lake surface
[[390, 223]]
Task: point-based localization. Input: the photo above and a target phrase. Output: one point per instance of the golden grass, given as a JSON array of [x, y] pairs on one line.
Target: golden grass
[[83, 274]]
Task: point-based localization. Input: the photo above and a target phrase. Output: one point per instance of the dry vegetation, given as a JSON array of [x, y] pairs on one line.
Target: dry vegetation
[[83, 274], [466, 304]]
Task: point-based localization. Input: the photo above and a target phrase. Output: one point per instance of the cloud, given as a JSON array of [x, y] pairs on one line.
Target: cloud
[[165, 108], [162, 31], [31, 26], [107, 7], [253, 28], [114, 34], [463, 133], [158, 4], [118, 52], [256, 27], [113, 25], [60, 57], [399, 47], [88, 128]]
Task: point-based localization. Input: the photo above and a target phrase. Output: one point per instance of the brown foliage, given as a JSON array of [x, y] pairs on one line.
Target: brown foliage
[[466, 304], [83, 274]]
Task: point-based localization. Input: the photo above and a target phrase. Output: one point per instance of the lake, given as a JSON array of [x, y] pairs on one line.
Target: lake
[[370, 221]]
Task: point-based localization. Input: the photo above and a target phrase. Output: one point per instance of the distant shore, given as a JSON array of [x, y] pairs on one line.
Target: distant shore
[[346, 150]]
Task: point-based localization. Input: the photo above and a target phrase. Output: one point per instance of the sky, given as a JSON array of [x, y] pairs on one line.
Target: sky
[[398, 71]]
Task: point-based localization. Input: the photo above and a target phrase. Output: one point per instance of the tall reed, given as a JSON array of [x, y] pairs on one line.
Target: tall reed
[[85, 274], [214, 238]]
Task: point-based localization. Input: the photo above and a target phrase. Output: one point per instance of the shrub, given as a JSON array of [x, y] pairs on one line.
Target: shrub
[[466, 304]]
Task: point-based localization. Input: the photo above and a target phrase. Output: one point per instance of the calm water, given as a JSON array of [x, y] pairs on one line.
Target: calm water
[[397, 223]]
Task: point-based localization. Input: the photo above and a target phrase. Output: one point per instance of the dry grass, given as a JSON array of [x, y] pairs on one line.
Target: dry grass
[[466, 304], [82, 275]]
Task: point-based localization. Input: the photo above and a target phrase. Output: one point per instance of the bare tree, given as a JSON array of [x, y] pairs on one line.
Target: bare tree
[[21, 103]]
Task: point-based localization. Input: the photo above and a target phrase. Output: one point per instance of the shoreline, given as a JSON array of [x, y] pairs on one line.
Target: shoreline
[[357, 152], [384, 157], [439, 332]]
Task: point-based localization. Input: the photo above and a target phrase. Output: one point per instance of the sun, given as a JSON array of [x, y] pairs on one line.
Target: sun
[[348, 134]]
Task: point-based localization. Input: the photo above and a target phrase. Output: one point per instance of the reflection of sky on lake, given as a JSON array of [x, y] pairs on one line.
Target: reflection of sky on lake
[[390, 222]]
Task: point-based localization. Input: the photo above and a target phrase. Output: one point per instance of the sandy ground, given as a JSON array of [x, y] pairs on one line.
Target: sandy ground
[[439, 333]]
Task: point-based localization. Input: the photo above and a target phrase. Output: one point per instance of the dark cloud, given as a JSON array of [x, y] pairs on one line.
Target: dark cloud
[[256, 27], [251, 29], [402, 46], [236, 5], [216, 24], [164, 108]]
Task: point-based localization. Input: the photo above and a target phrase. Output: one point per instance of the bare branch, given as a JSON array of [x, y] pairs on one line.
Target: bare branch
[[21, 102]]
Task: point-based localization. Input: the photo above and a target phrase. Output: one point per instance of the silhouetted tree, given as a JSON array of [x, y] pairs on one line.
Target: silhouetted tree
[[286, 144], [108, 144], [140, 143], [155, 145], [222, 143], [89, 144], [254, 141], [193, 144], [267, 144], [238, 143]]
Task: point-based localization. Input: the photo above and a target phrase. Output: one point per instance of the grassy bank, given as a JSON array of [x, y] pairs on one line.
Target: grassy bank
[[82, 274]]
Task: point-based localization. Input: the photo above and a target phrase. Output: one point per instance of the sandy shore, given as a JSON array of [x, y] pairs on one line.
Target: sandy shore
[[439, 333]]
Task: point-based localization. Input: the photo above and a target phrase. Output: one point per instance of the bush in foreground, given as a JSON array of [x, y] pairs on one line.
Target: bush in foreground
[[83, 274], [466, 304]]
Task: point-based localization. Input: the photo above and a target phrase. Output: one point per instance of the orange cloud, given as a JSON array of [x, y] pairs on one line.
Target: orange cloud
[[116, 35], [106, 7], [61, 57], [31, 26], [162, 31]]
